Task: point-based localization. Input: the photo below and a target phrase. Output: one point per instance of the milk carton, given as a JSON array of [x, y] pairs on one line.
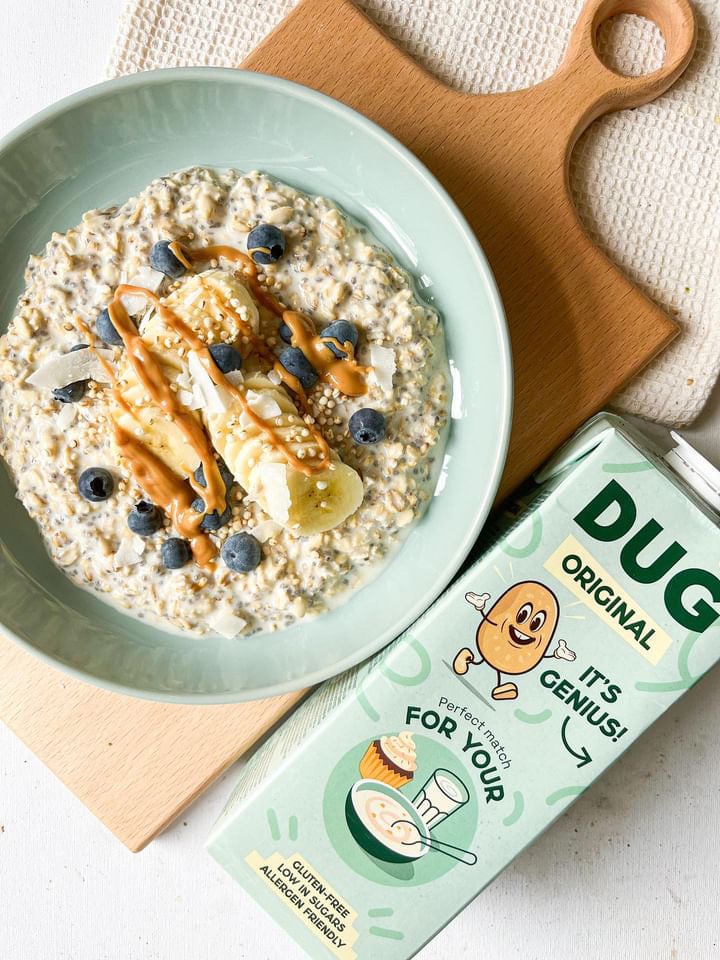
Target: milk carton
[[399, 790]]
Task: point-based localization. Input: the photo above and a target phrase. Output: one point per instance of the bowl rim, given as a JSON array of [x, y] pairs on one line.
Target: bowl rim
[[498, 317]]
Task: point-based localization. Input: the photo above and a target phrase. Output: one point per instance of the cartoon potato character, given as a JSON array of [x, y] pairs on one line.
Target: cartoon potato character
[[514, 635]]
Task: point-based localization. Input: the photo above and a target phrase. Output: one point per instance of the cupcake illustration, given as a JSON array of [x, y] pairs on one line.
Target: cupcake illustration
[[390, 759]]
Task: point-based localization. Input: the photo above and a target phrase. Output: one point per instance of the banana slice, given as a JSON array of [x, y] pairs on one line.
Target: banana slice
[[198, 300], [150, 423], [322, 501], [302, 504]]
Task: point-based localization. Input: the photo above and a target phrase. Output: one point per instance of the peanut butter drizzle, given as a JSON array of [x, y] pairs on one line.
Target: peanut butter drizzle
[[164, 487], [162, 484], [264, 297], [150, 373], [259, 345], [176, 249], [153, 378], [344, 373], [169, 491]]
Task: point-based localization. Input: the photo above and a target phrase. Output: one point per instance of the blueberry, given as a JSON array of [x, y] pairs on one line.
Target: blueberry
[[285, 332], [78, 346], [241, 552], [266, 243], [145, 519], [341, 331], [96, 484], [163, 259], [212, 521], [367, 426], [228, 478], [175, 553], [298, 365], [226, 357], [71, 393], [106, 329]]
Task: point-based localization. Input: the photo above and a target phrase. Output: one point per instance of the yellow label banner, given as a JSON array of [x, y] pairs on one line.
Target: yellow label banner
[[578, 570], [310, 898]]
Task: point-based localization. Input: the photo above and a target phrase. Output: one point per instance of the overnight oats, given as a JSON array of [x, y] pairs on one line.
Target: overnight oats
[[221, 402]]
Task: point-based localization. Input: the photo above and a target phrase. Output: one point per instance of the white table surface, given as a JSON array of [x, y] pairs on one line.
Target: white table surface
[[630, 870]]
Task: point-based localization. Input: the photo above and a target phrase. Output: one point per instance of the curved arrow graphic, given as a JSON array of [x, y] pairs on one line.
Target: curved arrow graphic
[[584, 757]]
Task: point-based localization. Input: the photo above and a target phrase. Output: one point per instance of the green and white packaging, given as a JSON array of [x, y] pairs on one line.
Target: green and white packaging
[[599, 604]]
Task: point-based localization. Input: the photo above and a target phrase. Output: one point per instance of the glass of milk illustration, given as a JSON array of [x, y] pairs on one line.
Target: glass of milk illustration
[[440, 796]]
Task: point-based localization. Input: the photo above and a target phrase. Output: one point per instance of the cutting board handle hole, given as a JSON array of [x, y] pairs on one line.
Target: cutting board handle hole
[[624, 53], [630, 45]]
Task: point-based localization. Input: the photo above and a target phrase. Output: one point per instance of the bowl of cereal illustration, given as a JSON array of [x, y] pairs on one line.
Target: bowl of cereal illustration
[[388, 826], [255, 388], [385, 823]]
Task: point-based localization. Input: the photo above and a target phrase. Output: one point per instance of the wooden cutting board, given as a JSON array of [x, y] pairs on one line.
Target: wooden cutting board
[[579, 331]]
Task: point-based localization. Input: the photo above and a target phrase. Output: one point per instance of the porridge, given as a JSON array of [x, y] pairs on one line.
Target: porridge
[[221, 402]]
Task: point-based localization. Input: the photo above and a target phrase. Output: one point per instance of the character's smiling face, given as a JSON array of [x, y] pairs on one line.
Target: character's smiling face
[[518, 628], [532, 622]]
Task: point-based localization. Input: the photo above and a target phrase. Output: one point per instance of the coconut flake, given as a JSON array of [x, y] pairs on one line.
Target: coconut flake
[[263, 404], [188, 399], [266, 530], [64, 368], [142, 324], [66, 416], [194, 295], [129, 552], [270, 480], [148, 279], [226, 623], [209, 396], [198, 398], [382, 360], [235, 377], [274, 377]]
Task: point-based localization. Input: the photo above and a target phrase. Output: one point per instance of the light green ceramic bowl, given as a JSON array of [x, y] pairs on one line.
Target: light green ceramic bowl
[[103, 145]]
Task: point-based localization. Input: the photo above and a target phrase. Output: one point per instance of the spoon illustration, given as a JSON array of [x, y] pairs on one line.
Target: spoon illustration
[[439, 845]]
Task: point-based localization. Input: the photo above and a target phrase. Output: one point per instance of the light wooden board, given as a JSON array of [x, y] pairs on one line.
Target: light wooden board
[[134, 763], [579, 331], [579, 328]]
